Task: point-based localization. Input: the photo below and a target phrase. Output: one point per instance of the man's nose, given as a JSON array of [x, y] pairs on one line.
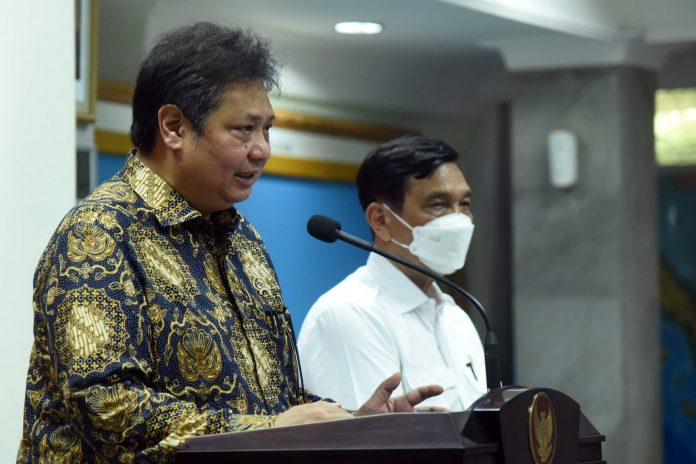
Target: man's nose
[[260, 147]]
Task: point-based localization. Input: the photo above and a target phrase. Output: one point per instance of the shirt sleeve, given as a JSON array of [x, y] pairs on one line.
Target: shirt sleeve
[[92, 309], [346, 352]]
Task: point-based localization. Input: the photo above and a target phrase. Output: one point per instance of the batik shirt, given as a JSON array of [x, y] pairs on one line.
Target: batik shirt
[[152, 324]]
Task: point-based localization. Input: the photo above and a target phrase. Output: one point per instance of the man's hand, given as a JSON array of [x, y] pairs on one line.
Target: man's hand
[[313, 412], [381, 400]]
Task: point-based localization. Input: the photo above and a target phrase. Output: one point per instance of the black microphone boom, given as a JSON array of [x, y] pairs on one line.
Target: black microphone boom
[[328, 230]]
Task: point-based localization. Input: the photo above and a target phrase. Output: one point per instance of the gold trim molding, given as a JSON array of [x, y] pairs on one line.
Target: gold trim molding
[[117, 143], [86, 110], [121, 92], [115, 91], [281, 165], [342, 127], [113, 143]]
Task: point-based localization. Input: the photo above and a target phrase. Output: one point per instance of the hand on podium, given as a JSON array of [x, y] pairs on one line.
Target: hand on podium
[[318, 411], [379, 403]]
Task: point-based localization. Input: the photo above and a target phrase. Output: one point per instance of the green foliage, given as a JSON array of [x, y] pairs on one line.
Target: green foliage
[[675, 127]]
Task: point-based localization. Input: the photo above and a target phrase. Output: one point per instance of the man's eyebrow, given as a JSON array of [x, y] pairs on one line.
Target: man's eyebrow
[[257, 118], [439, 194]]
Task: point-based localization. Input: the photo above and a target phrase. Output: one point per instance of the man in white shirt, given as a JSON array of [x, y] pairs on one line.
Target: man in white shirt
[[384, 317]]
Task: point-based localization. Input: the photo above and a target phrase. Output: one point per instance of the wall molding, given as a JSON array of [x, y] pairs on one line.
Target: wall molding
[[112, 143], [121, 92], [341, 127], [115, 91], [116, 143]]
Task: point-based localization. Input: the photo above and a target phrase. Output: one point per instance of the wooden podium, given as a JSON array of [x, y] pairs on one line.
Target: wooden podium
[[514, 425]]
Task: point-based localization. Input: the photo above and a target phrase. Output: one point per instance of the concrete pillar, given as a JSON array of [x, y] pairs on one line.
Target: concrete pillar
[[586, 310]]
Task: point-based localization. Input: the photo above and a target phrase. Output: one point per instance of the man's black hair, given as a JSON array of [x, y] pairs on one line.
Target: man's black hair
[[385, 171], [191, 67]]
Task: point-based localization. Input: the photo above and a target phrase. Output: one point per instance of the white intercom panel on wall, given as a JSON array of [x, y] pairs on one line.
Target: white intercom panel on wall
[[562, 148]]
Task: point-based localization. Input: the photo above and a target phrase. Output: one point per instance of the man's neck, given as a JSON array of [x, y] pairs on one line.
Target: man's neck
[[158, 162], [423, 282]]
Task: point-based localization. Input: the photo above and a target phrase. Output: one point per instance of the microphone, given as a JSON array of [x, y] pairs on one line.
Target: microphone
[[328, 230]]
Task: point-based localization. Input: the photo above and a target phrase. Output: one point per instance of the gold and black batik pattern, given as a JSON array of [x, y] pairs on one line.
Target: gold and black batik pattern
[[152, 324]]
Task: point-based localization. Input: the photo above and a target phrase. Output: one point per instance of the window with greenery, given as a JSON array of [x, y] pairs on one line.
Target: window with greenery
[[675, 127]]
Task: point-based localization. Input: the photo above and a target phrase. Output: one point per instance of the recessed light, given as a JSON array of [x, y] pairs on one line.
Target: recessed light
[[358, 27]]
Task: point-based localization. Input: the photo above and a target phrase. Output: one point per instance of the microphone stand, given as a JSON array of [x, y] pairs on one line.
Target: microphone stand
[[490, 344]]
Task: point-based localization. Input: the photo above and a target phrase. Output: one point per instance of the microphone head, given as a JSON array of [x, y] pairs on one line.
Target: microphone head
[[323, 228]]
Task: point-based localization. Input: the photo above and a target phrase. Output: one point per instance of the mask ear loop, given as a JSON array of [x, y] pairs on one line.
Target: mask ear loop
[[406, 224], [397, 217]]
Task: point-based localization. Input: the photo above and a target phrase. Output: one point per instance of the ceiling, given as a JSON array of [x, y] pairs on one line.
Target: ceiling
[[436, 56]]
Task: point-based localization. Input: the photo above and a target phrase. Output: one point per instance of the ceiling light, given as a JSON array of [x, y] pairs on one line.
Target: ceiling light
[[358, 27]]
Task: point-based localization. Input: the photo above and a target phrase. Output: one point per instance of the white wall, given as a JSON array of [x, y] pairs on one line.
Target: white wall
[[37, 175]]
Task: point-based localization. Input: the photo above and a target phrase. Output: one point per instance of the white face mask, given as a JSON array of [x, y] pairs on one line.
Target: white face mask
[[441, 244]]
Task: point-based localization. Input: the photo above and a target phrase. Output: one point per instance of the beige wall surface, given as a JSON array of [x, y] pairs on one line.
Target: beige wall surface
[[37, 176]]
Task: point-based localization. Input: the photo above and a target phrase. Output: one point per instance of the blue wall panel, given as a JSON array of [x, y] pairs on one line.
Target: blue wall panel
[[279, 208], [108, 165]]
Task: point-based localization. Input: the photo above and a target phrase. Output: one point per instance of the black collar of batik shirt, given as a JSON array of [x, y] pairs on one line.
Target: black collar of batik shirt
[[168, 206], [226, 221]]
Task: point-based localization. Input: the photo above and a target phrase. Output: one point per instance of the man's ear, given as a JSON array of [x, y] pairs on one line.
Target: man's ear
[[376, 216], [171, 121]]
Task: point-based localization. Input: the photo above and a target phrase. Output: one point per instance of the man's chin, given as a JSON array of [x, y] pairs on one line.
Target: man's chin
[[238, 197]]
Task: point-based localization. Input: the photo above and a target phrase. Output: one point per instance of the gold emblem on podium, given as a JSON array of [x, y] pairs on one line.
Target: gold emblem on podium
[[542, 429]]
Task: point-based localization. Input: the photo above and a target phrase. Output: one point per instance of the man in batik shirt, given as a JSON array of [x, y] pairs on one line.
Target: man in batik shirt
[[157, 311]]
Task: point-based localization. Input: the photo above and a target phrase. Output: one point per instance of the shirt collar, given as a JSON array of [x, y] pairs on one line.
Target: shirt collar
[[405, 295], [226, 221], [168, 206]]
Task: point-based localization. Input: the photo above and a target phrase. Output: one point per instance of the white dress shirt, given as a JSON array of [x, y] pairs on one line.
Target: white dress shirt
[[377, 322]]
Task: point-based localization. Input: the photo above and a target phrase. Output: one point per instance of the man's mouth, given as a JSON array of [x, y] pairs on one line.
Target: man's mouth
[[247, 178]]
